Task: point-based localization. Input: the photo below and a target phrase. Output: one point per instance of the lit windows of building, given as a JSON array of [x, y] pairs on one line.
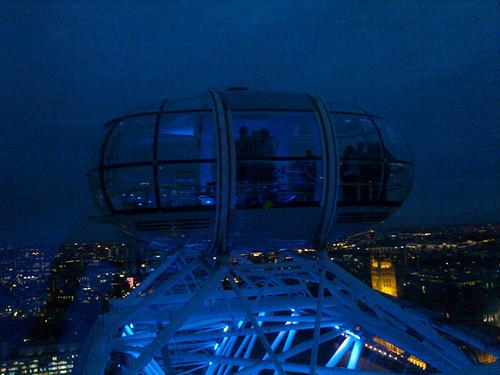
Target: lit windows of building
[[486, 358], [383, 276], [43, 364], [417, 362], [389, 346]]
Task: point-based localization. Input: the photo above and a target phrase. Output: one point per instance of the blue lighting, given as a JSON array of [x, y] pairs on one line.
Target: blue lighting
[[355, 353], [341, 350], [352, 334], [128, 330], [275, 156], [206, 201]]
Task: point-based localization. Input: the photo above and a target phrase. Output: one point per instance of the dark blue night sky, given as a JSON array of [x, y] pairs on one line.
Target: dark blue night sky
[[65, 67]]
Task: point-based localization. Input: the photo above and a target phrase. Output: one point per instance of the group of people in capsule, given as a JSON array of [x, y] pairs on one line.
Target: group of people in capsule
[[361, 172], [265, 180], [262, 179]]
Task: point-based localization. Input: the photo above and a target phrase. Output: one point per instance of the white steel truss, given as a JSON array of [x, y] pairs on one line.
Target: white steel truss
[[299, 315]]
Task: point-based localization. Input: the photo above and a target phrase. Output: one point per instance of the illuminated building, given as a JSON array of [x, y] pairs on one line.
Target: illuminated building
[[486, 358], [89, 273], [42, 360], [247, 172], [383, 276]]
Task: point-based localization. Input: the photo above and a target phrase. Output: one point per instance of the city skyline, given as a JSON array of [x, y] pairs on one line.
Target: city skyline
[[450, 270]]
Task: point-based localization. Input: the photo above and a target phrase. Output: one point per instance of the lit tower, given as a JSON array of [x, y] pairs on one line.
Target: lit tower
[[383, 275], [238, 187]]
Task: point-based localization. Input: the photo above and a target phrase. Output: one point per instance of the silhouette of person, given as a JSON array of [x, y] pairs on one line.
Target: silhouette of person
[[243, 149]]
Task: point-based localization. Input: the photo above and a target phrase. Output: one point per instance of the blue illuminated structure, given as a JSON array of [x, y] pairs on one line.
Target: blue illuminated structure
[[222, 180]]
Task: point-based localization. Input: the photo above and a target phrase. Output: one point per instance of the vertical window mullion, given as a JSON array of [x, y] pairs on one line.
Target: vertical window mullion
[[385, 166], [102, 173], [155, 154]]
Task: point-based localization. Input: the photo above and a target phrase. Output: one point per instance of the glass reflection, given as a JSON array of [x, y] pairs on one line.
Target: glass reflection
[[186, 153], [361, 162], [357, 138], [275, 134], [278, 160], [291, 183], [131, 188], [186, 136], [397, 182], [183, 185], [361, 181], [395, 147], [94, 179], [368, 173], [131, 140]]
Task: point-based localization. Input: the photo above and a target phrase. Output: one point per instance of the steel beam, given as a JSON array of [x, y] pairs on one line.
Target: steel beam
[[164, 336]]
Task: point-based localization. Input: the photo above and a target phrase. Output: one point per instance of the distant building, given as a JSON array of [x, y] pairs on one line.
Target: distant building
[[42, 360], [383, 274]]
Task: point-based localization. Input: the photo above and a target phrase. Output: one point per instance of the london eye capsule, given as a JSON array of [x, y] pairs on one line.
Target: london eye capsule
[[241, 169]]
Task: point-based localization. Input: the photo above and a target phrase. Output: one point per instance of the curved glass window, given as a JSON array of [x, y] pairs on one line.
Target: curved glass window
[[148, 108], [399, 166], [356, 137], [131, 140], [157, 165], [244, 100], [94, 180], [278, 159], [187, 184], [397, 182], [186, 136], [185, 105], [373, 171], [395, 146], [361, 162], [187, 160], [131, 188]]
